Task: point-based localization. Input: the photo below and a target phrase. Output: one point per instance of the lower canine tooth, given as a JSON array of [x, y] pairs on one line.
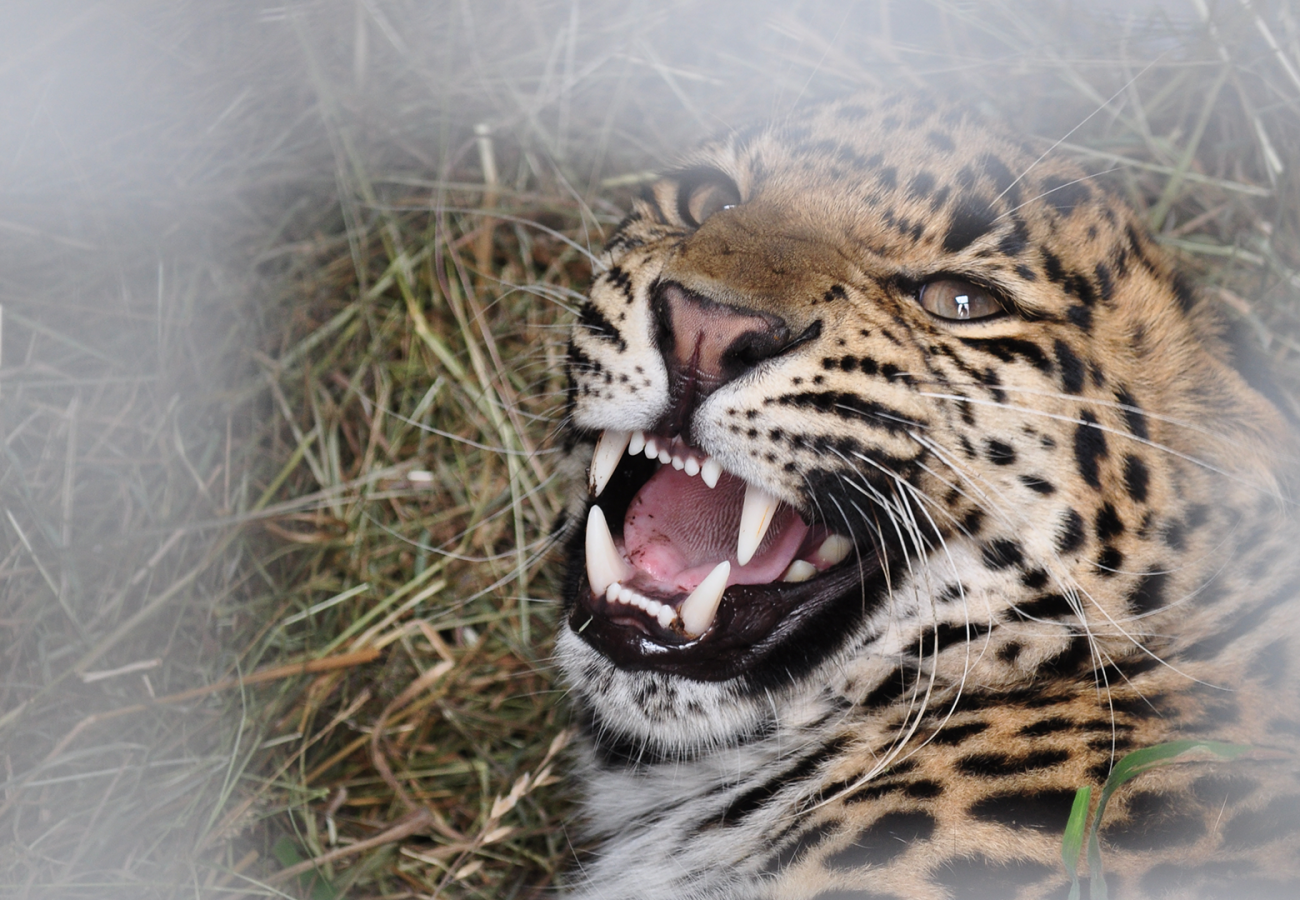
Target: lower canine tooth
[[800, 570], [833, 550], [609, 450], [701, 606], [755, 517], [605, 565]]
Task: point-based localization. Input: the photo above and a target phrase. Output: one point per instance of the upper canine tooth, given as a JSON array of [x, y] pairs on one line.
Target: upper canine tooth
[[605, 564], [701, 606], [833, 550], [711, 471], [637, 444], [609, 450], [755, 516]]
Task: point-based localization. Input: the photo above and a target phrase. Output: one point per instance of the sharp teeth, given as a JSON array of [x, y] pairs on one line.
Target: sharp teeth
[[637, 443], [702, 605], [651, 448], [800, 570], [609, 450], [605, 565], [755, 516], [833, 550], [665, 457], [711, 471], [692, 466]]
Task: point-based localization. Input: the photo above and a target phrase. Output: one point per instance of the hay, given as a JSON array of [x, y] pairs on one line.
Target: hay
[[284, 293]]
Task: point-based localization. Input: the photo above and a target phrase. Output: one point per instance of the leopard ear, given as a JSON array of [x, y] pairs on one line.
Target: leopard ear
[[703, 192]]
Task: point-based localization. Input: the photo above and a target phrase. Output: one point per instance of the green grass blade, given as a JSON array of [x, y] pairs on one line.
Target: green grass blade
[[1132, 765], [1072, 843]]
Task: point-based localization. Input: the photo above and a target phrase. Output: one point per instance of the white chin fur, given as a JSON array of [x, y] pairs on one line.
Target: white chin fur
[[671, 714]]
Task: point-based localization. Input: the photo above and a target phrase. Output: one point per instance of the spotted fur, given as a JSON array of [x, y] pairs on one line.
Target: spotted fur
[[1080, 508]]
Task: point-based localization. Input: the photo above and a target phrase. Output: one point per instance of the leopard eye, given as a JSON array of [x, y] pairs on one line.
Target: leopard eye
[[949, 298], [704, 195]]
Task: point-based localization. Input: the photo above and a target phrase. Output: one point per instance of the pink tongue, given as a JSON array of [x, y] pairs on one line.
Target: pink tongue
[[678, 529]]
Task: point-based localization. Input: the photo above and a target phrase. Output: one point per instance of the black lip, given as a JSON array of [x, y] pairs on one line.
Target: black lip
[[778, 627]]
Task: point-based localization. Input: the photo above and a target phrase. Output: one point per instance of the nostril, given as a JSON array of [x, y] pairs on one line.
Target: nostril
[[752, 347], [706, 344]]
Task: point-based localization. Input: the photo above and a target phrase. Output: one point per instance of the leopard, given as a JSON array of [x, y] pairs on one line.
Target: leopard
[[918, 491]]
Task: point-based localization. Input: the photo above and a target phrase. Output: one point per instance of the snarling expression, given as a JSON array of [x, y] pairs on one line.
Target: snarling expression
[[854, 412]]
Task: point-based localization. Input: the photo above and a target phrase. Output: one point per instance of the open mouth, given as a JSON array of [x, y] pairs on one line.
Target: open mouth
[[691, 569]]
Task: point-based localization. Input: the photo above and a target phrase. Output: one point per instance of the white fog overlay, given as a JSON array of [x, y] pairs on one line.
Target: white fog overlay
[[283, 298]]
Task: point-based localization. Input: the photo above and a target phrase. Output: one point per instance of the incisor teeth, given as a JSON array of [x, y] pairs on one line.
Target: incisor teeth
[[702, 605], [637, 444], [800, 570], [755, 516], [692, 466], [605, 565], [679, 463], [833, 550], [711, 471], [609, 450], [651, 448]]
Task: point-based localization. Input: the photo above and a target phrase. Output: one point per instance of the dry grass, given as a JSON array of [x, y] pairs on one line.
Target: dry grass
[[281, 347]]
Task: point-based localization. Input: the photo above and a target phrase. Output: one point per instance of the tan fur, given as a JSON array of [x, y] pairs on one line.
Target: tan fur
[[1135, 441]]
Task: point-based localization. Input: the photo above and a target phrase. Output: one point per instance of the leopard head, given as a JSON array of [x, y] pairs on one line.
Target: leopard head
[[874, 387]]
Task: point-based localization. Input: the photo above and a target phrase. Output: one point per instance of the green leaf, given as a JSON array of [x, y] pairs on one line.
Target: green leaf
[[1139, 761], [1072, 843], [1132, 765], [286, 854]]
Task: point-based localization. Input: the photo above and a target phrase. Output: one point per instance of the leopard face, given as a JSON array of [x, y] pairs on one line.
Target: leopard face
[[882, 411]]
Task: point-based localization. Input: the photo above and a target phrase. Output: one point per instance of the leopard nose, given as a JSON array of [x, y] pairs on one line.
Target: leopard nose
[[706, 344]]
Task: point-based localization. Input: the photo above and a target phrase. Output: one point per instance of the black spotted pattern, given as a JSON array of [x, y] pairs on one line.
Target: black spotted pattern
[[1089, 448], [888, 837], [1071, 534], [1157, 821], [1040, 810]]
